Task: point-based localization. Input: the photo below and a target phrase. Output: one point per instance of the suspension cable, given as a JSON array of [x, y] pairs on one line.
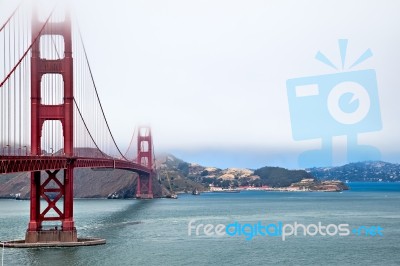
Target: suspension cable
[[11, 16], [97, 95], [87, 129], [28, 49], [130, 143]]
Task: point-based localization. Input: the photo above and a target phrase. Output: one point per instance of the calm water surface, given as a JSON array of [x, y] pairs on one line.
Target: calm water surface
[[155, 232]]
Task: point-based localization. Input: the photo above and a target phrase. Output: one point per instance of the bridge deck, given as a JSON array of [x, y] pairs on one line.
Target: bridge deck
[[15, 164]]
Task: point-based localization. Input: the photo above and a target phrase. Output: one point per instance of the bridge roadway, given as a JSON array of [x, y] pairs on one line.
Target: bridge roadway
[[16, 164]]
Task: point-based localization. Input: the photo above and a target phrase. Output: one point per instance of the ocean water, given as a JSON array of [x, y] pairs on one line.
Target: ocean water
[[155, 232]]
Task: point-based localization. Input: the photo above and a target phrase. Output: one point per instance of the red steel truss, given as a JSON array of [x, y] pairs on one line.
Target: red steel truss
[[144, 185], [39, 114]]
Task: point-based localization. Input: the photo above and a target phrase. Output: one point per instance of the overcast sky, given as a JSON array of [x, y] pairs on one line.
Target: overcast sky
[[210, 76]]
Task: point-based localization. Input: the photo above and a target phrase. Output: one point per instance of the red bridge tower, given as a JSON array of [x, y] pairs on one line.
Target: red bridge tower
[[50, 187], [144, 185]]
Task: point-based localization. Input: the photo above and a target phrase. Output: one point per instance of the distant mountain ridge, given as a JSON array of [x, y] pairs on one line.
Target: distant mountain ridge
[[369, 171]]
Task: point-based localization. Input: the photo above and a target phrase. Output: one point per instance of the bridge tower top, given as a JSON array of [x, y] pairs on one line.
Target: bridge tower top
[[145, 147], [41, 66]]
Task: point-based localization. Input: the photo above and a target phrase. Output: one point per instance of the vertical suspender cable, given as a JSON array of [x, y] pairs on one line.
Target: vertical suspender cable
[[97, 95]]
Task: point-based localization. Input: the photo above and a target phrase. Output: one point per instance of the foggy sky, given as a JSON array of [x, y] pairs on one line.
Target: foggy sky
[[210, 76]]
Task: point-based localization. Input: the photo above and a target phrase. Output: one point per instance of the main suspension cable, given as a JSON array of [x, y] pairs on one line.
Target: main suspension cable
[[97, 95], [87, 129], [27, 50], [11, 16]]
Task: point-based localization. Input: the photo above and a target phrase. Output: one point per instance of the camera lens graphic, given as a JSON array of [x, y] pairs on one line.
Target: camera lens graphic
[[348, 103]]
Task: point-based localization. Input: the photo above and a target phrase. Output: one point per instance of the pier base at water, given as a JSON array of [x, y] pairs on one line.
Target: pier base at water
[[144, 196], [45, 236], [80, 242], [53, 238]]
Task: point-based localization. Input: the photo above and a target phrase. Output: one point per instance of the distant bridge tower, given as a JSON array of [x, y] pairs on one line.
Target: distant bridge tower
[[51, 189], [144, 185]]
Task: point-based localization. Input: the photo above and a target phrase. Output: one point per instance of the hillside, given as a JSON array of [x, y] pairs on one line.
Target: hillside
[[371, 171], [187, 176], [280, 177], [87, 184]]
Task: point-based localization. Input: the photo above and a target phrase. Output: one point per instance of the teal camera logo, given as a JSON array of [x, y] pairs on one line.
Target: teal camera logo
[[345, 103]]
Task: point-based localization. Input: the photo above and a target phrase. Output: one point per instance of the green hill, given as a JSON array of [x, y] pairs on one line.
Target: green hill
[[280, 177]]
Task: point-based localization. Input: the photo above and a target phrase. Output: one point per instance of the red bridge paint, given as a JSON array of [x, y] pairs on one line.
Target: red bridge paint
[[50, 188], [144, 188], [39, 114]]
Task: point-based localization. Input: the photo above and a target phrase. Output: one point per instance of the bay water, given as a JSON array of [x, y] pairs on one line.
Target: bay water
[[157, 232]]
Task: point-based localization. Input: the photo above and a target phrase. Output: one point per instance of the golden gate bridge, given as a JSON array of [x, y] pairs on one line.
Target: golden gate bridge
[[52, 120]]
